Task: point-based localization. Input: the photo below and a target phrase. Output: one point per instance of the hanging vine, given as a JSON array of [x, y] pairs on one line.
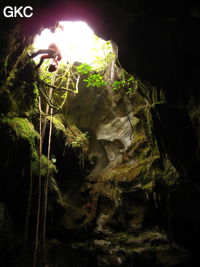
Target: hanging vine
[[53, 90], [39, 189]]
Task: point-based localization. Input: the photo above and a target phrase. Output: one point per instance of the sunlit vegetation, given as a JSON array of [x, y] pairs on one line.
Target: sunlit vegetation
[[76, 67], [86, 62]]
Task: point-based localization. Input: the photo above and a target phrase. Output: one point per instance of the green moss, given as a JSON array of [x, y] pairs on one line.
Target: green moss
[[7, 102], [113, 182], [19, 99], [76, 138], [148, 186], [57, 123], [139, 147], [126, 172], [45, 165], [18, 96], [109, 190], [171, 176], [26, 97], [110, 183], [21, 128], [138, 140]]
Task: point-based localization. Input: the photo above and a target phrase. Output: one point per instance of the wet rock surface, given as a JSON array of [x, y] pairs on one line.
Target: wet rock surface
[[129, 194]]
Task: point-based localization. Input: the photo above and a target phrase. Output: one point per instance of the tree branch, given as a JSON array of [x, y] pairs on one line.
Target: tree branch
[[57, 88]]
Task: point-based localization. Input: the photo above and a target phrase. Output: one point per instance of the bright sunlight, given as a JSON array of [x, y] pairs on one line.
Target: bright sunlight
[[76, 41]]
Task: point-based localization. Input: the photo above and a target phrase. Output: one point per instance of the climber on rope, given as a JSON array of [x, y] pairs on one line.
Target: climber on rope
[[52, 52]]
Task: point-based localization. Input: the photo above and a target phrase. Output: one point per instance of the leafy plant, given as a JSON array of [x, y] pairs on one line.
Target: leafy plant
[[129, 84], [84, 68], [95, 80]]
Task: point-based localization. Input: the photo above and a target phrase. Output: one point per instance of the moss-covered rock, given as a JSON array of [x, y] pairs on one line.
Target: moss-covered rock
[[135, 202], [20, 128]]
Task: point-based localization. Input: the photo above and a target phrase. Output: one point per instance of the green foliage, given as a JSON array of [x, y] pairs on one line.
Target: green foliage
[[80, 140], [8, 105], [92, 79], [67, 76], [45, 75], [22, 128], [45, 165], [95, 80], [76, 138], [57, 123], [127, 83], [103, 55], [84, 68], [118, 85]]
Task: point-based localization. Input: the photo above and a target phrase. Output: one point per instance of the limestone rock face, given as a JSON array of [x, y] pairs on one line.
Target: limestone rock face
[[129, 185], [129, 195]]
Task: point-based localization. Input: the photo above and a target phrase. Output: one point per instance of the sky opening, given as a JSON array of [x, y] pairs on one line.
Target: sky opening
[[76, 41]]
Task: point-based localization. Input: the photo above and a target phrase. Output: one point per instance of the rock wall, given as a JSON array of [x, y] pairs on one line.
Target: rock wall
[[133, 189], [127, 192]]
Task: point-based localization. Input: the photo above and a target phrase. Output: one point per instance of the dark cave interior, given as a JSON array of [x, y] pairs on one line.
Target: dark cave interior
[[140, 209]]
